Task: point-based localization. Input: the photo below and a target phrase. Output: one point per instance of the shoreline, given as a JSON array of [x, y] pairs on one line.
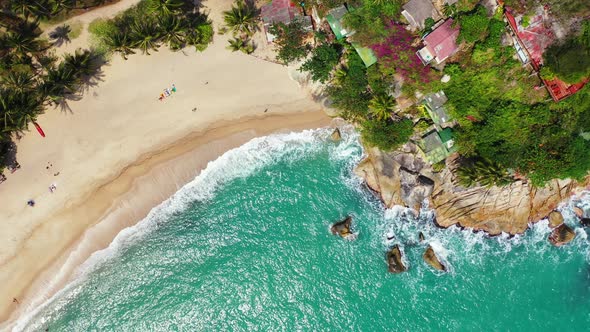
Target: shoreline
[[127, 198]]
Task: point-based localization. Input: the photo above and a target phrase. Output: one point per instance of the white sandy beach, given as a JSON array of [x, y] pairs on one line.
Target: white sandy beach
[[121, 151]]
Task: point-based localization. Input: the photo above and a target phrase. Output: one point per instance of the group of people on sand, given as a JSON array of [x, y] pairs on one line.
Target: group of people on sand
[[52, 187], [167, 92]]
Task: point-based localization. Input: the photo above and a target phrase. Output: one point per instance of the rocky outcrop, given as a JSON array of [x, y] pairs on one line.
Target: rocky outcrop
[[336, 136], [402, 178], [394, 260], [585, 222], [342, 228], [397, 177], [555, 219], [431, 259], [562, 235]]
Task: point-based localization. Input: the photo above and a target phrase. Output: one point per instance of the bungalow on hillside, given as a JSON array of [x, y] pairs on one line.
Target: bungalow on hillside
[[434, 105], [334, 19], [281, 11], [531, 42], [436, 146], [417, 11], [439, 44]]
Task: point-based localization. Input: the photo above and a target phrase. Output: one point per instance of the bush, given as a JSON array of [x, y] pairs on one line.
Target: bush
[[474, 25], [569, 61], [323, 59], [387, 135], [290, 41]]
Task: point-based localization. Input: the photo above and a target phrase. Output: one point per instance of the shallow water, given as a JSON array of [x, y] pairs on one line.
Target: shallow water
[[247, 246]]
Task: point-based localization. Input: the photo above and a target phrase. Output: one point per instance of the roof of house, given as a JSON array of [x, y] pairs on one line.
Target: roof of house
[[278, 11], [416, 11], [431, 141], [366, 54], [435, 100], [334, 18], [442, 42]]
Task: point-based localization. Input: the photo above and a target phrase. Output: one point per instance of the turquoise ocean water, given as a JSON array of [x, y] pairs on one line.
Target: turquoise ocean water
[[246, 246]]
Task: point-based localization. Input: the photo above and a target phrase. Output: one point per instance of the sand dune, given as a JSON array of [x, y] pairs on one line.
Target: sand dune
[[120, 131]]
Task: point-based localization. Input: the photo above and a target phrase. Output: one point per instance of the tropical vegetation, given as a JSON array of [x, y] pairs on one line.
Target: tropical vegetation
[[151, 24]]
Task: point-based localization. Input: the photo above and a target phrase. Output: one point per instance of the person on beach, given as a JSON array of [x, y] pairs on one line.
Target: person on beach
[[167, 92], [52, 188], [173, 87], [31, 203]]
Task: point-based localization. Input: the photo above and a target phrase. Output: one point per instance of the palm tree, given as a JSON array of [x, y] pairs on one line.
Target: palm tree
[[19, 81], [21, 44], [83, 63], [27, 8], [340, 75], [381, 106], [18, 109], [118, 42], [145, 35], [235, 44], [484, 172], [164, 7], [59, 5], [173, 31], [58, 84], [241, 18], [449, 10]]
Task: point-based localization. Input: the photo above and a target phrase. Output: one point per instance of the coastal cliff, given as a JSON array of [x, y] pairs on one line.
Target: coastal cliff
[[402, 178]]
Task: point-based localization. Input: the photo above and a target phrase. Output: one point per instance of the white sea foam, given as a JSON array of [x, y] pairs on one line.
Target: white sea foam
[[236, 163]]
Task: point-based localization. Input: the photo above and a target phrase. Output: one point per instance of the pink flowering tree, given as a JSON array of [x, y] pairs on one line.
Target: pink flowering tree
[[398, 53]]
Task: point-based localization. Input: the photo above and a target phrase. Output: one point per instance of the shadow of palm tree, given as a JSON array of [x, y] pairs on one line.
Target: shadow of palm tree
[[60, 35]]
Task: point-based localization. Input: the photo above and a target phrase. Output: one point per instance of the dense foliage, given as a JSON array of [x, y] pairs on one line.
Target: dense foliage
[[290, 41], [474, 25], [570, 60], [387, 135], [152, 23], [323, 59], [509, 122]]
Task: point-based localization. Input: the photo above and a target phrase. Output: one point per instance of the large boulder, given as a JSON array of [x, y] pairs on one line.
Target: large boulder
[[336, 136], [342, 228], [555, 219], [398, 176], [430, 258], [421, 236], [562, 235], [394, 260]]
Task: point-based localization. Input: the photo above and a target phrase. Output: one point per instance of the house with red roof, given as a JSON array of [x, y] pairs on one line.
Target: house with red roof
[[440, 44], [530, 42], [281, 11]]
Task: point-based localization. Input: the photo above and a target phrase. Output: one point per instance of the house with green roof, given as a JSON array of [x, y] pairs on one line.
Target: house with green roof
[[436, 145], [334, 19], [366, 54]]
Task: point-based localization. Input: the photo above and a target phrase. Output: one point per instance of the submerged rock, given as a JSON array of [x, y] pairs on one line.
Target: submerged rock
[[579, 212], [585, 222], [555, 219], [421, 236], [336, 136], [562, 235], [430, 258], [394, 260], [342, 228]]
